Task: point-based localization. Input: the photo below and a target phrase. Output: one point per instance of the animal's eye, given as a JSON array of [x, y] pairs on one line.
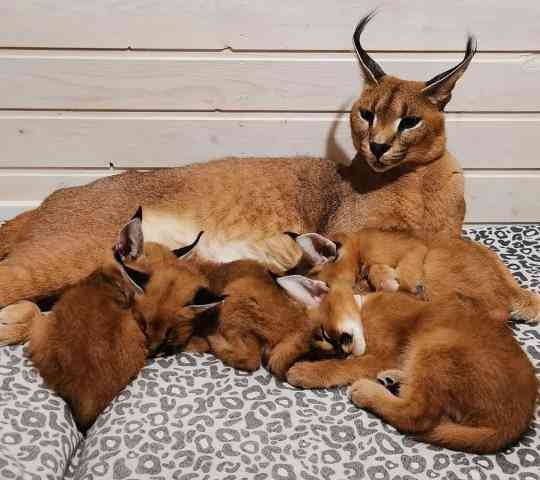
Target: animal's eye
[[408, 122], [367, 116]]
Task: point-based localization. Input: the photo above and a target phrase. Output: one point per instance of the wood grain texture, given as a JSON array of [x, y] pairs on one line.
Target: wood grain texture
[[267, 25], [496, 196], [257, 81], [84, 139]]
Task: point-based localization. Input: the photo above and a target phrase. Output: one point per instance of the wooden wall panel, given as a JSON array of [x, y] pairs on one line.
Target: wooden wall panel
[[267, 25], [84, 139], [251, 82]]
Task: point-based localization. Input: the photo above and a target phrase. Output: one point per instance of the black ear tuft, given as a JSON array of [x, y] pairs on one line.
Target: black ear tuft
[[183, 251], [138, 214], [205, 296], [372, 70]]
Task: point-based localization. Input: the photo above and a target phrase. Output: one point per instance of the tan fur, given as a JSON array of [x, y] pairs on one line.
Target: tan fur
[[258, 321], [434, 270], [465, 383], [100, 332], [243, 204]]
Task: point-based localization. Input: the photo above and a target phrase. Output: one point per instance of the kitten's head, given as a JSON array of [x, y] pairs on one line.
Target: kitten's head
[[334, 312], [335, 307], [400, 121], [169, 294]]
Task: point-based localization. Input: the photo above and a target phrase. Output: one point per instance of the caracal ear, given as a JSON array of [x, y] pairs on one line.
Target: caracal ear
[[373, 73], [183, 252], [303, 289], [438, 90], [205, 300], [130, 243], [130, 246], [316, 248]]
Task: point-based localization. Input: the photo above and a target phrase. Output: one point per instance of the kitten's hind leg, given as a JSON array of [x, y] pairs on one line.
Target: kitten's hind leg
[[237, 349]]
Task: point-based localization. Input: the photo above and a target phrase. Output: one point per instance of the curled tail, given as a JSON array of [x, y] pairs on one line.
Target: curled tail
[[525, 306], [467, 438], [16, 321]]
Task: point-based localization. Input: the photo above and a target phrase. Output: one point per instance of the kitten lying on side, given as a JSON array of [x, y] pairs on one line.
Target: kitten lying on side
[[392, 261], [277, 319], [465, 382], [100, 332]]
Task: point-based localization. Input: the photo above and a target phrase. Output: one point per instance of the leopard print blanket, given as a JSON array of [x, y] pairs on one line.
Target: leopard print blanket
[[190, 417]]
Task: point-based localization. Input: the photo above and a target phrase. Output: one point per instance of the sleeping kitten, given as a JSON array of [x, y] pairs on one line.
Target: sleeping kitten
[[264, 318], [464, 381], [100, 332], [392, 261]]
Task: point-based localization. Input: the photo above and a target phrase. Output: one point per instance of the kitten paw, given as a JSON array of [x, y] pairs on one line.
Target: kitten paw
[[391, 380], [363, 392], [389, 285], [306, 375]]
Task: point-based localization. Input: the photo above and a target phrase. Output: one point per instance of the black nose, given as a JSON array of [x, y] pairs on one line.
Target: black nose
[[379, 149]]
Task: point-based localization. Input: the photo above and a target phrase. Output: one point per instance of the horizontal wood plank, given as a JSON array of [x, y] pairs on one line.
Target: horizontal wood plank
[[495, 196], [286, 82], [145, 140], [261, 24]]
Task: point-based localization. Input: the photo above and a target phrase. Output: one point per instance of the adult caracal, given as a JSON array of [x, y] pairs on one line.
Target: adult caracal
[[402, 178]]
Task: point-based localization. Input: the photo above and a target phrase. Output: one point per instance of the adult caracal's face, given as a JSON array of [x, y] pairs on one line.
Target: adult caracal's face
[[397, 121]]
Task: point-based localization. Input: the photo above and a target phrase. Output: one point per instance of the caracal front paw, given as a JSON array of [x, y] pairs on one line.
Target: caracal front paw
[[391, 380], [364, 392], [308, 375]]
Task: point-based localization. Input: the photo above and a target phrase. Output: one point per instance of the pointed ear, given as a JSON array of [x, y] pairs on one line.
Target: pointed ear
[[438, 90], [183, 252], [130, 243], [373, 73], [303, 289], [204, 300], [316, 249]]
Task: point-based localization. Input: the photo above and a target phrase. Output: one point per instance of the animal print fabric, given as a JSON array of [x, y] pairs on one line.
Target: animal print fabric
[[189, 417]]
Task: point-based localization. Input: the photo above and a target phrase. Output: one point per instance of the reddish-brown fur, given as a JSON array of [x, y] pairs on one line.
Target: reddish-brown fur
[[435, 269], [464, 381], [243, 204], [259, 320], [100, 332]]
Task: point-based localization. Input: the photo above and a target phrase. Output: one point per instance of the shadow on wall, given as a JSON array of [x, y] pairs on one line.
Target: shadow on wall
[[334, 150]]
